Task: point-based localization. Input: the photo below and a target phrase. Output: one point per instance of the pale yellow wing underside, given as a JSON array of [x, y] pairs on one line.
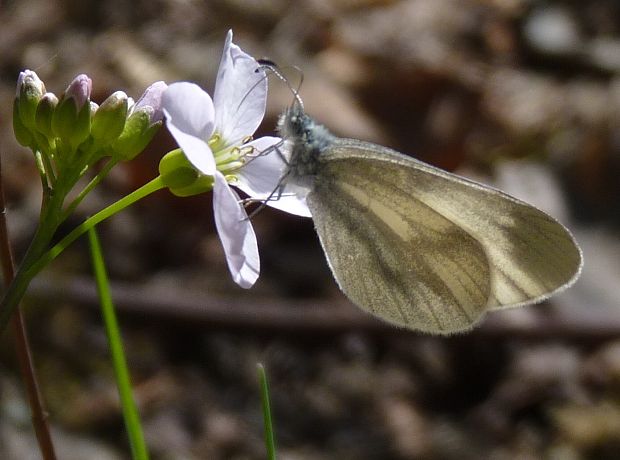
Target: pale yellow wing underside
[[429, 250]]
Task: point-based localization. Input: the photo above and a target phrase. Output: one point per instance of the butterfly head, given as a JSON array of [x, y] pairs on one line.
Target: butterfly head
[[305, 139]]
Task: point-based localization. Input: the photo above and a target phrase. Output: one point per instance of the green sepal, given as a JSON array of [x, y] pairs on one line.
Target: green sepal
[[181, 177], [69, 124], [45, 112], [137, 133], [82, 127], [109, 120], [22, 134]]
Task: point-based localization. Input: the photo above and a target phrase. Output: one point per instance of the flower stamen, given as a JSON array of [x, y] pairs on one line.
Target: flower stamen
[[215, 142]]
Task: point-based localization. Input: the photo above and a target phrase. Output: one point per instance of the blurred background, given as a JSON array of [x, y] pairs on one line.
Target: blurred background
[[522, 94]]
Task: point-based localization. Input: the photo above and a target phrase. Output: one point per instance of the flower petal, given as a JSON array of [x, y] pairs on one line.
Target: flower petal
[[190, 119], [236, 234], [240, 94], [261, 177], [190, 109], [292, 199]]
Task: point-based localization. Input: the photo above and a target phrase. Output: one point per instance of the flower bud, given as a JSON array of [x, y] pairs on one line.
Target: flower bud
[[79, 91], [137, 133], [71, 119], [45, 111], [145, 118], [22, 134], [29, 91], [152, 98], [181, 177], [93, 110], [109, 119]]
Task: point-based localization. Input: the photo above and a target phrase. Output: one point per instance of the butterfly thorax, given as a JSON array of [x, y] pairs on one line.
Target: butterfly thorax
[[305, 140]]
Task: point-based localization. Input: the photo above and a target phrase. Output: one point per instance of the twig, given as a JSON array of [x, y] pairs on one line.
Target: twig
[[22, 348], [560, 320]]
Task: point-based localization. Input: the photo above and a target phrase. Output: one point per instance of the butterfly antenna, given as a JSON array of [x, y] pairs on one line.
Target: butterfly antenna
[[251, 89], [273, 68]]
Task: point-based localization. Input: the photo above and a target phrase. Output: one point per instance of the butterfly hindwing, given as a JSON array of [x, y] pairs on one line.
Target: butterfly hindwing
[[392, 254]]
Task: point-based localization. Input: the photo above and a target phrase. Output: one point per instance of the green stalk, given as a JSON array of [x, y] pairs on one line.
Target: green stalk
[[48, 224], [50, 172], [91, 185], [123, 383], [37, 258]]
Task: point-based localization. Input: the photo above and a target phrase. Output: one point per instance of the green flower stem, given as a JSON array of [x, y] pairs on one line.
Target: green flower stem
[[49, 171], [119, 362], [38, 158], [148, 188], [89, 187], [37, 257]]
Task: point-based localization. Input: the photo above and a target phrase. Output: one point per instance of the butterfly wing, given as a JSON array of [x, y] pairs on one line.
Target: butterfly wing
[[429, 250]]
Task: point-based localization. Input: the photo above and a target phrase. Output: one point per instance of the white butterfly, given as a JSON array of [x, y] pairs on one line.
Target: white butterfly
[[418, 246]]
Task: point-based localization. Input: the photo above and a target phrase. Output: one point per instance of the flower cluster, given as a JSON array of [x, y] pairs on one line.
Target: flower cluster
[[70, 132], [68, 135]]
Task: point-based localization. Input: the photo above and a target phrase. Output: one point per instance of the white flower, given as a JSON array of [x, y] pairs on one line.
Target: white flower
[[215, 137]]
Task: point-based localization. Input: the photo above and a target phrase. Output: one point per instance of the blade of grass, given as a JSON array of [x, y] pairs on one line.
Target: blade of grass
[[128, 404], [270, 441]]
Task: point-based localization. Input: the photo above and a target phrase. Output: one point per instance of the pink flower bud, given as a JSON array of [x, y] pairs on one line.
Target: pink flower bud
[[152, 98], [79, 90]]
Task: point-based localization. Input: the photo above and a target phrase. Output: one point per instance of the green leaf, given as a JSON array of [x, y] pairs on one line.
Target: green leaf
[[270, 439], [128, 404]]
